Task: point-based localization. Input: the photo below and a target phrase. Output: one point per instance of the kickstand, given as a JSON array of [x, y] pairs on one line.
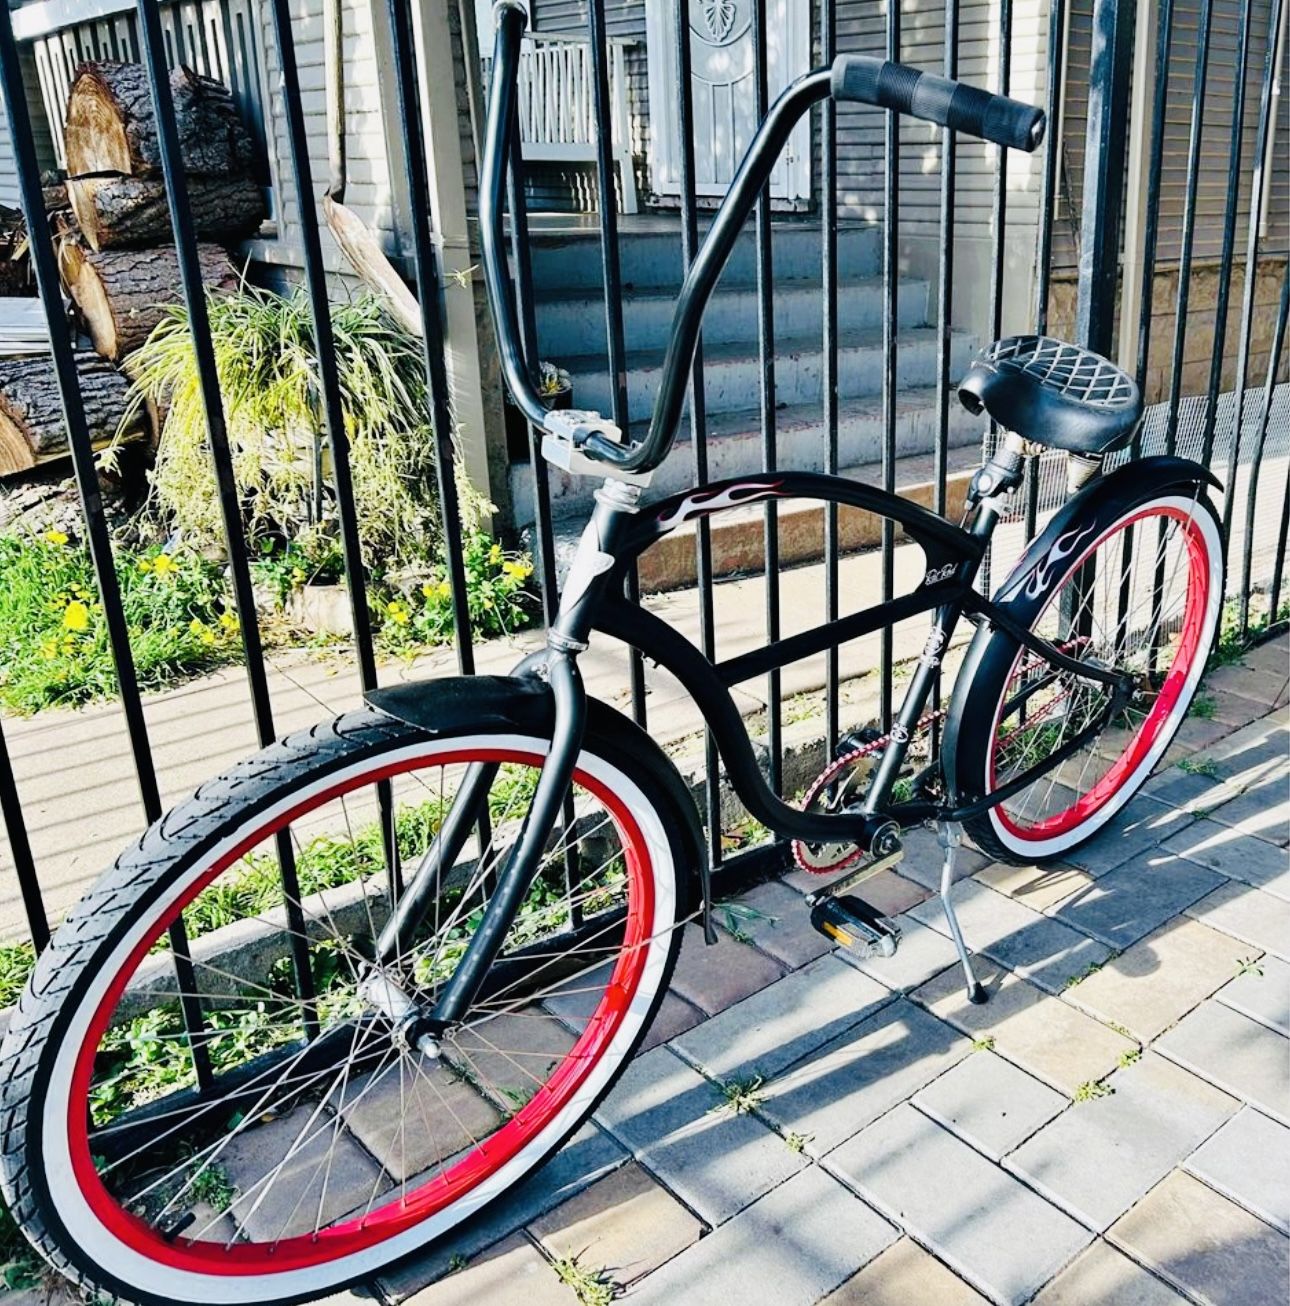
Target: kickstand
[[951, 836]]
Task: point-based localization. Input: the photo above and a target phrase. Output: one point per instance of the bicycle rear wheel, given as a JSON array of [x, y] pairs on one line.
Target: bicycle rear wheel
[[1138, 590], [322, 1144]]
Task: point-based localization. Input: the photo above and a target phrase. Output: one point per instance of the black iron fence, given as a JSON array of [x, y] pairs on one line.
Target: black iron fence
[[1132, 177]]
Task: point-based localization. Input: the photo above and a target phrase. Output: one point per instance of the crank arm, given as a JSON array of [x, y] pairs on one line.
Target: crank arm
[[855, 876]]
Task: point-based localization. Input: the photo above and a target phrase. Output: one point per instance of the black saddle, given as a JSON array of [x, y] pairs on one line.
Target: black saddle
[[1053, 393]]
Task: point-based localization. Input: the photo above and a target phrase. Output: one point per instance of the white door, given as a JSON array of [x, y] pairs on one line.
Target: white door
[[724, 91]]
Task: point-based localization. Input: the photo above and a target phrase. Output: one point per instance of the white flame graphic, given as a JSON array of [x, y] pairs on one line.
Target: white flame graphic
[[1063, 547], [706, 501]]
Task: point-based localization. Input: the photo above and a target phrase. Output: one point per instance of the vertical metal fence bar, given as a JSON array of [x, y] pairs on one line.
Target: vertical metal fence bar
[[194, 296], [1229, 243], [1279, 555], [891, 299], [1258, 183], [1055, 77], [829, 278], [766, 358], [430, 297], [1256, 458], [944, 316], [698, 410], [98, 540], [613, 282], [999, 222], [1155, 164], [1104, 159], [24, 864], [332, 409], [1189, 228]]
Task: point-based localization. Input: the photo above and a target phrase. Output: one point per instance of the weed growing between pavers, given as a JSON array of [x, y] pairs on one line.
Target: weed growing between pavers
[[591, 1287], [1091, 1089], [742, 1096]]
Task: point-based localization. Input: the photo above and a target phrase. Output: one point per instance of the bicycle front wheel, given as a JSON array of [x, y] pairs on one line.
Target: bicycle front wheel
[[1136, 590], [299, 1140]]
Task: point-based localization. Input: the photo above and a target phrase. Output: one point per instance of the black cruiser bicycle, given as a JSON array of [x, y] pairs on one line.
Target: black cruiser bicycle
[[332, 1078]]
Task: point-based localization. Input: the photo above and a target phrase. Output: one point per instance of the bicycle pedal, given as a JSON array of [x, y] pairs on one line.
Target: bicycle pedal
[[856, 925]]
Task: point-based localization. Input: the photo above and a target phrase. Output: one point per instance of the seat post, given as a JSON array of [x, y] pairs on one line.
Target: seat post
[[1002, 474]]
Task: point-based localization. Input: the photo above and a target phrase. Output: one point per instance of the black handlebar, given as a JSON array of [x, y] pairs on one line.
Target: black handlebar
[[866, 80], [853, 77]]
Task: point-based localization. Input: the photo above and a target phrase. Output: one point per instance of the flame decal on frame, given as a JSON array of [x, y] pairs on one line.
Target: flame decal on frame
[[1063, 547], [704, 501]]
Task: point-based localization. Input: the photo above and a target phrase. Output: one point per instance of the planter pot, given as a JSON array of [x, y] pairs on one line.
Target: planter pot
[[323, 609], [517, 429]]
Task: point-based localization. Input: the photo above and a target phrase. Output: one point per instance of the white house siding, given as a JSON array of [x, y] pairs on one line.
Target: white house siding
[[368, 102], [1220, 91], [40, 130]]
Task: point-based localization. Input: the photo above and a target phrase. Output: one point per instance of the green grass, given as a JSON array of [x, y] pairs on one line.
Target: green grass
[[16, 963], [54, 648], [1091, 1089], [742, 1096], [1091, 969], [1203, 766], [1203, 707], [591, 1287], [1128, 1057], [180, 618]]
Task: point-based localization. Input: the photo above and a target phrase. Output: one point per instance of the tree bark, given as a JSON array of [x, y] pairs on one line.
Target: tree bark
[[32, 429], [121, 212], [111, 127], [123, 294]]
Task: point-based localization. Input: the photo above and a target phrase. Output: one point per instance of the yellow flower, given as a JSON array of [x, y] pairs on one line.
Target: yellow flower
[[495, 553], [229, 621], [144, 565], [197, 625], [517, 570], [164, 565], [76, 616], [207, 637], [397, 612], [56, 537], [49, 649]]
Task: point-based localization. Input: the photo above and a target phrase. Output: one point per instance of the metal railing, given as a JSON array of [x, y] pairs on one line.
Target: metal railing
[[558, 110], [1245, 429]]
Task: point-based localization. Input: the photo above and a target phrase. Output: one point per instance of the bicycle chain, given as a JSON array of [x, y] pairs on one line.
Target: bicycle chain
[[830, 772]]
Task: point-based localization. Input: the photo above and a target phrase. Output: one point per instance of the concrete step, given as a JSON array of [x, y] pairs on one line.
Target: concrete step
[[651, 256], [572, 322], [732, 370], [738, 535], [734, 448]]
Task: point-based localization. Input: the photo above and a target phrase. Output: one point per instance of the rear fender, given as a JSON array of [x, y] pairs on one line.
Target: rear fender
[[1078, 522]]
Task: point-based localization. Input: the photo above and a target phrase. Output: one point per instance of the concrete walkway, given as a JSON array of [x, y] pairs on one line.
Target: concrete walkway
[[1113, 1126]]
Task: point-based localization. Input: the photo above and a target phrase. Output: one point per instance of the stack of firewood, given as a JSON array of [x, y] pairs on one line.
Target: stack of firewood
[[116, 254]]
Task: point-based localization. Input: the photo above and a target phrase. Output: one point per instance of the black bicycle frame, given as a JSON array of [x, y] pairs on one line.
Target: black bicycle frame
[[619, 530]]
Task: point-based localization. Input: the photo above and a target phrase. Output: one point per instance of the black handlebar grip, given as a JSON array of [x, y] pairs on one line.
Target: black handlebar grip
[[866, 80]]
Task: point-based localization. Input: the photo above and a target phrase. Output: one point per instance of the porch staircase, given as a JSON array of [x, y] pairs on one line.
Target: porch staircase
[[572, 334]]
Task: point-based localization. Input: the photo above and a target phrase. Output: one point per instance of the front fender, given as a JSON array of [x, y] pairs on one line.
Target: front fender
[[524, 703]]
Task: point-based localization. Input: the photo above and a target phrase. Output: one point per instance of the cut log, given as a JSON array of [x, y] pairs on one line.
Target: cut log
[[123, 293], [123, 212], [31, 411], [111, 128]]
